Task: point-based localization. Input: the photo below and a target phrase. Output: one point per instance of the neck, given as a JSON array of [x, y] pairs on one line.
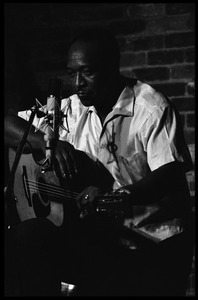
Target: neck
[[111, 96]]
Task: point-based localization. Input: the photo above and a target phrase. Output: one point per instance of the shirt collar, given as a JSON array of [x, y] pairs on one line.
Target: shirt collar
[[125, 103], [123, 106]]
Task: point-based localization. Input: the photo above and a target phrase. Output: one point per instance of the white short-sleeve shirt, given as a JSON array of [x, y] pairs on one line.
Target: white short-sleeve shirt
[[139, 135]]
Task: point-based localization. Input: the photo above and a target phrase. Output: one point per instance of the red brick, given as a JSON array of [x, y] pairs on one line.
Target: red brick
[[128, 73], [145, 10], [152, 74], [46, 28], [179, 8], [167, 23], [190, 120], [184, 103], [177, 40], [165, 57], [127, 27], [146, 43], [189, 135], [183, 119], [190, 55], [132, 59], [190, 87], [184, 71], [191, 22], [171, 89]]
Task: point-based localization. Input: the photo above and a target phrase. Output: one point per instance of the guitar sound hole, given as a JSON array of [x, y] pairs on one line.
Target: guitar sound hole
[[40, 200], [42, 188]]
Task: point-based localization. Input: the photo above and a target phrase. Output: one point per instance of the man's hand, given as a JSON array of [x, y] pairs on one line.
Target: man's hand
[[76, 168], [65, 160], [87, 200], [117, 204]]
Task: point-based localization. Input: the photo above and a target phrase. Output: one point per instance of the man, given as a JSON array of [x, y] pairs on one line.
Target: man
[[123, 136]]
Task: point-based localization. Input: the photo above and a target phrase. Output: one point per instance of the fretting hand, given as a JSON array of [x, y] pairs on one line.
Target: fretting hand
[[115, 204], [87, 200]]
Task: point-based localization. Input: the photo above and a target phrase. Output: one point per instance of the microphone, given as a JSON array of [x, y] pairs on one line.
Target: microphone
[[52, 118]]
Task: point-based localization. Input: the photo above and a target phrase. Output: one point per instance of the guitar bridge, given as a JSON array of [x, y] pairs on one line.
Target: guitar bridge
[[25, 185]]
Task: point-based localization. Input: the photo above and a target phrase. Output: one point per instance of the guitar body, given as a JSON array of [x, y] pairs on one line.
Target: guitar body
[[40, 194], [35, 192]]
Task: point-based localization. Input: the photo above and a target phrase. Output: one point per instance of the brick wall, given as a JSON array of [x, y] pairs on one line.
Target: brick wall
[[157, 43]]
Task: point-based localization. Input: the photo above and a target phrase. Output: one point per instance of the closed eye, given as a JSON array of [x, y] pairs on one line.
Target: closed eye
[[70, 72], [87, 73]]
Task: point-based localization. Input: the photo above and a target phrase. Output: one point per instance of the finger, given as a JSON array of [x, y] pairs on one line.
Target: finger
[[78, 201], [86, 201], [84, 213], [80, 198], [69, 162], [72, 153], [89, 201], [70, 150], [86, 208], [61, 167]]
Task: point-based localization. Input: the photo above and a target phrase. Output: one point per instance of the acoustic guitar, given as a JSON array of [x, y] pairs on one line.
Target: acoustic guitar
[[40, 194]]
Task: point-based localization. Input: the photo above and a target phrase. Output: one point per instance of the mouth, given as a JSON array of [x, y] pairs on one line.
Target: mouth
[[85, 98], [82, 93]]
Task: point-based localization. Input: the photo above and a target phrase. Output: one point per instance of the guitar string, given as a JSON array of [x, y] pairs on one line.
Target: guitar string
[[33, 189], [50, 193], [50, 189], [53, 195], [60, 192]]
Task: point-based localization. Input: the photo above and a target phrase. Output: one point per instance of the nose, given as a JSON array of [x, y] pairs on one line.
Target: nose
[[79, 80]]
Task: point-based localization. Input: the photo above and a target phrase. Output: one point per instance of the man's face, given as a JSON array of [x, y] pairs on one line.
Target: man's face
[[86, 73]]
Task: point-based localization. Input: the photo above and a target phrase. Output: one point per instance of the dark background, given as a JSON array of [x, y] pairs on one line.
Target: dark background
[[157, 43]]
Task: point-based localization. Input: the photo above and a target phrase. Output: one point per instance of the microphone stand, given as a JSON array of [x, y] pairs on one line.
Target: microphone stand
[[55, 88], [8, 191]]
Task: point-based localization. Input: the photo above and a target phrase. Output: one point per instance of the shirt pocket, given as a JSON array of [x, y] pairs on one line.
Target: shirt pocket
[[136, 166]]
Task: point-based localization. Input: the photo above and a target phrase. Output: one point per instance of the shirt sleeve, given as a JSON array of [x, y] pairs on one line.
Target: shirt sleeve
[[163, 139], [38, 123]]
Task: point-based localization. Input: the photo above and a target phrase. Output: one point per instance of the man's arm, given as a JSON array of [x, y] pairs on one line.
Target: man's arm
[[166, 186], [15, 127], [69, 163], [167, 180]]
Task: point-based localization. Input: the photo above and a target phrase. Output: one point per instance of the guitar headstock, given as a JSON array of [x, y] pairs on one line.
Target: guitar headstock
[[114, 203]]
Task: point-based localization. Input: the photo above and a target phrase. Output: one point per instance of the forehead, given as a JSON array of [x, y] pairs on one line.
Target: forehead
[[84, 53]]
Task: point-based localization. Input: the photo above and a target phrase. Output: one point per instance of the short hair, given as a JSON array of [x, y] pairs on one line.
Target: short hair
[[107, 43]]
